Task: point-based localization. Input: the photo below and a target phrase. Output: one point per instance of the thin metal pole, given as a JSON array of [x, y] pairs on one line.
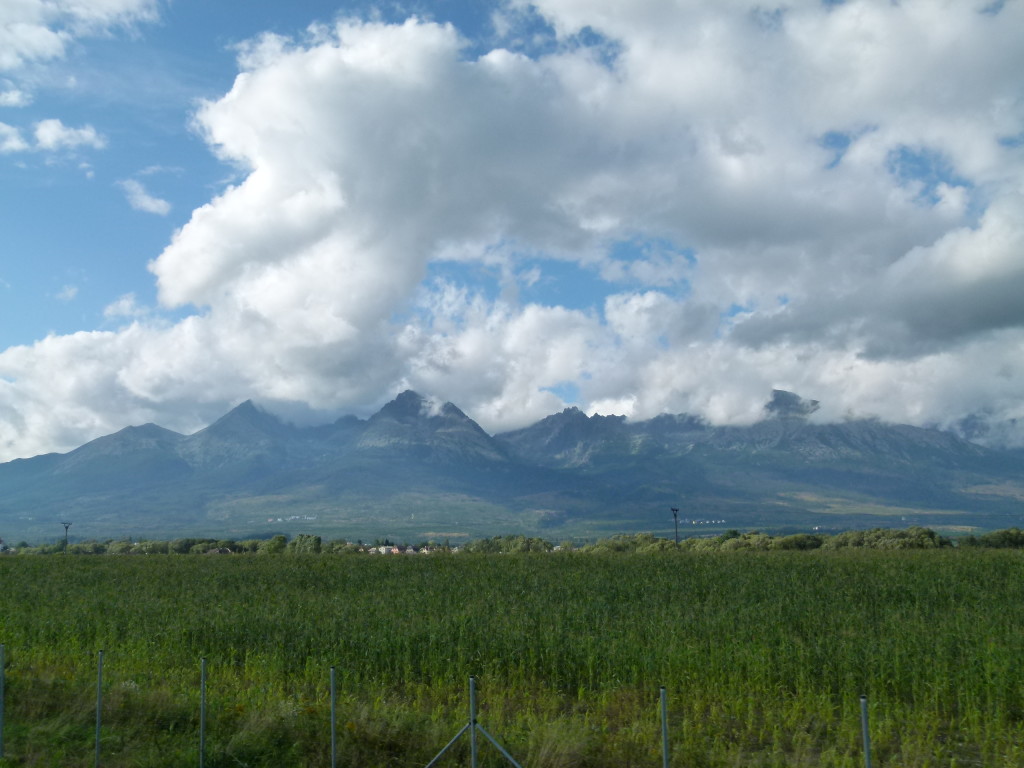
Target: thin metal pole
[[472, 722], [202, 711], [864, 730], [3, 673], [664, 728], [99, 705], [473, 726], [334, 722]]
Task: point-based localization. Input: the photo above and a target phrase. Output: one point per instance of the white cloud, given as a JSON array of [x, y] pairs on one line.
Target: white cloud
[[772, 206], [23, 42], [141, 200], [52, 135], [14, 98], [33, 31], [11, 139], [155, 169], [125, 306], [67, 293]]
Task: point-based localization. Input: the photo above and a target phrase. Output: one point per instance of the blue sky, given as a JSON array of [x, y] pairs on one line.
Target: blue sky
[[632, 208], [66, 228]]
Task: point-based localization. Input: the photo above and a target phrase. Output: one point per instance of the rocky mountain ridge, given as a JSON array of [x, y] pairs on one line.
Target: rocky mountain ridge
[[422, 467]]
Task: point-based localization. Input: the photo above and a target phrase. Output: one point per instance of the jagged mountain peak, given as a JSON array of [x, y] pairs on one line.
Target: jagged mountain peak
[[573, 418], [423, 425], [243, 435], [246, 410], [567, 438], [147, 437], [406, 405], [411, 406], [789, 405], [148, 431], [246, 418]]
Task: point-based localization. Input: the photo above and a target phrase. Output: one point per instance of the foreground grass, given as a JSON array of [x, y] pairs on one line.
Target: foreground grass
[[764, 656]]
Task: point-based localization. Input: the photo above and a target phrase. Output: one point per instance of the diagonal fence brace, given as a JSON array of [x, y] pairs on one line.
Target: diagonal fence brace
[[473, 727]]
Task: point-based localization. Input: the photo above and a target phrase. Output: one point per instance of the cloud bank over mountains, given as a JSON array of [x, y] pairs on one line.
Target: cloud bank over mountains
[[826, 198]]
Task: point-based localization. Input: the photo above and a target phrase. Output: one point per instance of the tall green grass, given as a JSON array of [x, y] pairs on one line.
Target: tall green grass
[[764, 656]]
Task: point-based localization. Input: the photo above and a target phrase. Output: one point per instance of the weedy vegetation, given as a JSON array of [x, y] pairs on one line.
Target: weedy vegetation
[[764, 655]]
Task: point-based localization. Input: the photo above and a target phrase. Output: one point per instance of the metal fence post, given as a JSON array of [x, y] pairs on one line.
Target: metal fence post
[[472, 722], [99, 705], [334, 722], [864, 730], [664, 728], [473, 726], [202, 711], [3, 674]]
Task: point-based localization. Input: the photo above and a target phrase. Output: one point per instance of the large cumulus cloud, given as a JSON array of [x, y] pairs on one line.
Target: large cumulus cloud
[[822, 197]]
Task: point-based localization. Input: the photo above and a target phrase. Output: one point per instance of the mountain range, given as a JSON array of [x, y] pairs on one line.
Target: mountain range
[[419, 470]]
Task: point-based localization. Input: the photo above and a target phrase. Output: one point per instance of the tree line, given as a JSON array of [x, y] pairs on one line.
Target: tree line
[[915, 537]]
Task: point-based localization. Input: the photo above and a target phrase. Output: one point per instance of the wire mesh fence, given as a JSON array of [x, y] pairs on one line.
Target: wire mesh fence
[[473, 729]]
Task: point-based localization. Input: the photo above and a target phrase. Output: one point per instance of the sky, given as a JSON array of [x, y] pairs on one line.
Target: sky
[[632, 208]]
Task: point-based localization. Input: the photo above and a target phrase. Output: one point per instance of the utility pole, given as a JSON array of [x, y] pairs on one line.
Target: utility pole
[[675, 514], [66, 526]]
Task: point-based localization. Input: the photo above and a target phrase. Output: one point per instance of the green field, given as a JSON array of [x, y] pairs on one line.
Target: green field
[[764, 656]]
